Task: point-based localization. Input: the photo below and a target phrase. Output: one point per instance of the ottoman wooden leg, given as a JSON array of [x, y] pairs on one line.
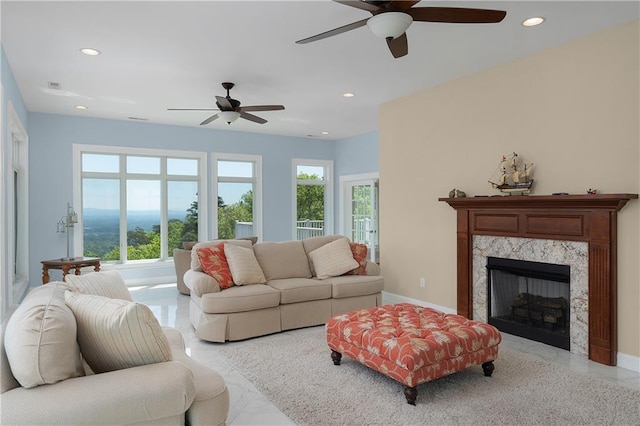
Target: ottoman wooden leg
[[411, 393], [336, 357], [488, 368]]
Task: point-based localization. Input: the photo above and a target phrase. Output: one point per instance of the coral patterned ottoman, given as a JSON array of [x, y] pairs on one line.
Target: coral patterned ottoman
[[412, 344]]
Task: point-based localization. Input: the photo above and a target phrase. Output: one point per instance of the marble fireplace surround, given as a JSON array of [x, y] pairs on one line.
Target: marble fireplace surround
[[571, 227], [575, 254]]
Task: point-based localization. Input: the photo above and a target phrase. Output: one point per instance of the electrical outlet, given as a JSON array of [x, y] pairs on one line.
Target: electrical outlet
[[423, 282]]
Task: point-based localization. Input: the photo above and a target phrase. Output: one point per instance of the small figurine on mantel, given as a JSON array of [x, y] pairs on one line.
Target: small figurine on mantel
[[456, 193], [592, 191]]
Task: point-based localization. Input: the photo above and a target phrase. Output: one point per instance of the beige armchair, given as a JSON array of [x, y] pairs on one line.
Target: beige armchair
[[57, 388]]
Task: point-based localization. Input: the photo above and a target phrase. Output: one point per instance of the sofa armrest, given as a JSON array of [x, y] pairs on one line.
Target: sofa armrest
[[140, 394], [372, 268], [200, 283]]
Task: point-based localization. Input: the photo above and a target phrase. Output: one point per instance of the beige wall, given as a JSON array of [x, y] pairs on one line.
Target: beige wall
[[572, 110]]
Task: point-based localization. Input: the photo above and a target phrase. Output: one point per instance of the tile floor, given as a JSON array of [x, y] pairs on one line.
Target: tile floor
[[249, 407]]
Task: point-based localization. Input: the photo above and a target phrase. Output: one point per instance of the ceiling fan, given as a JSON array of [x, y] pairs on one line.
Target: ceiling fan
[[230, 109], [391, 19]]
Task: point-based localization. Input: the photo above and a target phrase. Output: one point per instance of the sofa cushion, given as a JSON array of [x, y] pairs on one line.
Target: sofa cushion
[[103, 283], [214, 263], [359, 252], [40, 338], [310, 244], [188, 245], [355, 285], [283, 260], [195, 263], [333, 259], [116, 334], [293, 290], [244, 266], [240, 299]]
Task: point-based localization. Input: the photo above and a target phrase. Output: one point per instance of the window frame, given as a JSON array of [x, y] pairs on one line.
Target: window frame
[[328, 191], [257, 188], [124, 152], [15, 260]]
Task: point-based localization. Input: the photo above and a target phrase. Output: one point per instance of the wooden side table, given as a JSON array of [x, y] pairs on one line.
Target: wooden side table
[[67, 264]]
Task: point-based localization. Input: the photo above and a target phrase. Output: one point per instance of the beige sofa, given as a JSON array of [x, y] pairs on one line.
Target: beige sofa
[[61, 389], [292, 297]]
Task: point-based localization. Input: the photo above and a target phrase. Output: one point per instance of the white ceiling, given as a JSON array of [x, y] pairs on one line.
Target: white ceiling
[[159, 54]]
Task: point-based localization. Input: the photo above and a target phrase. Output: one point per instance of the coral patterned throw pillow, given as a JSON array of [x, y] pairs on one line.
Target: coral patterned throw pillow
[[359, 252], [214, 263]]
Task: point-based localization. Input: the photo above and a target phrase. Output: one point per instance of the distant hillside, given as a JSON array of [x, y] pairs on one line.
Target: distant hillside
[[101, 228], [109, 220]]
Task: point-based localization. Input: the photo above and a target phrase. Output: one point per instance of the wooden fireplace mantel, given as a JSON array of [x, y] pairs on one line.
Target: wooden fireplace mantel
[[591, 218]]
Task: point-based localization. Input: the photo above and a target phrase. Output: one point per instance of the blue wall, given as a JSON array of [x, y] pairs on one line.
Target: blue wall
[[356, 155], [51, 170]]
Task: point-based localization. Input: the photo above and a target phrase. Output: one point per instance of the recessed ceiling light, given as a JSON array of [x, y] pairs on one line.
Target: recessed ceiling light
[[89, 51], [81, 107], [324, 133], [348, 95], [532, 22]]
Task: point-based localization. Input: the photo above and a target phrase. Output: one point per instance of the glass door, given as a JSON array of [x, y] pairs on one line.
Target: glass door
[[361, 215]]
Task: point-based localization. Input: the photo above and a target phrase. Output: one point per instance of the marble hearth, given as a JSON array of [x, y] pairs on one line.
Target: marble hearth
[[575, 254]]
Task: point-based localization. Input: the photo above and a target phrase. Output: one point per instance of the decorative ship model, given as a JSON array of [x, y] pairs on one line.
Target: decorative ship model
[[513, 175]]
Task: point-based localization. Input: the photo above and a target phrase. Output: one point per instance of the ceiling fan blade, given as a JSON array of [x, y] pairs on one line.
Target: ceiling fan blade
[[369, 7], [193, 109], [402, 5], [334, 32], [224, 103], [398, 46], [210, 119], [252, 117], [456, 15], [261, 108]]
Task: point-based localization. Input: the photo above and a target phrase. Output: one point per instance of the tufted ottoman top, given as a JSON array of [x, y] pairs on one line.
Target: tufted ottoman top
[[411, 336]]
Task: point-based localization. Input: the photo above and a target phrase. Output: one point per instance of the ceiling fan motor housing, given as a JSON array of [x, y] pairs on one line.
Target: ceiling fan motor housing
[[389, 24]]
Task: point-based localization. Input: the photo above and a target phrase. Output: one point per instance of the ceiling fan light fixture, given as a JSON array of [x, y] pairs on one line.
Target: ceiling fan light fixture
[[389, 24], [228, 116]]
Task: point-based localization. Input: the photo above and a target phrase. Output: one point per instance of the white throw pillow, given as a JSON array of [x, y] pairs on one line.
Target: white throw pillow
[[103, 283], [40, 338], [333, 259], [244, 266], [115, 334]]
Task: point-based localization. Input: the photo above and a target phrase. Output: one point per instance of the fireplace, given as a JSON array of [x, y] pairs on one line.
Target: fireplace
[[529, 299], [568, 221]]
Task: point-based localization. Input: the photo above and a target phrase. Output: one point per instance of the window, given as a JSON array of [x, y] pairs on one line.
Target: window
[[313, 198], [238, 190], [139, 204], [15, 188]]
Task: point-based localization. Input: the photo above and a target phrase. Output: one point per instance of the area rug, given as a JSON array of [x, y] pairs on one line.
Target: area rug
[[294, 370]]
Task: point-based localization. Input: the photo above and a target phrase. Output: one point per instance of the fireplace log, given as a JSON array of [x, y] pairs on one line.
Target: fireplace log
[[549, 310]]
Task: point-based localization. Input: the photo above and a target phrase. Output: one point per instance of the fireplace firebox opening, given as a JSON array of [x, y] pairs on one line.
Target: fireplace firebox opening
[[530, 300]]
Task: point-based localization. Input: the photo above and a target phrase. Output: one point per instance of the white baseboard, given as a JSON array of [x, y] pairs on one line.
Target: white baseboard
[[628, 362], [389, 298]]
